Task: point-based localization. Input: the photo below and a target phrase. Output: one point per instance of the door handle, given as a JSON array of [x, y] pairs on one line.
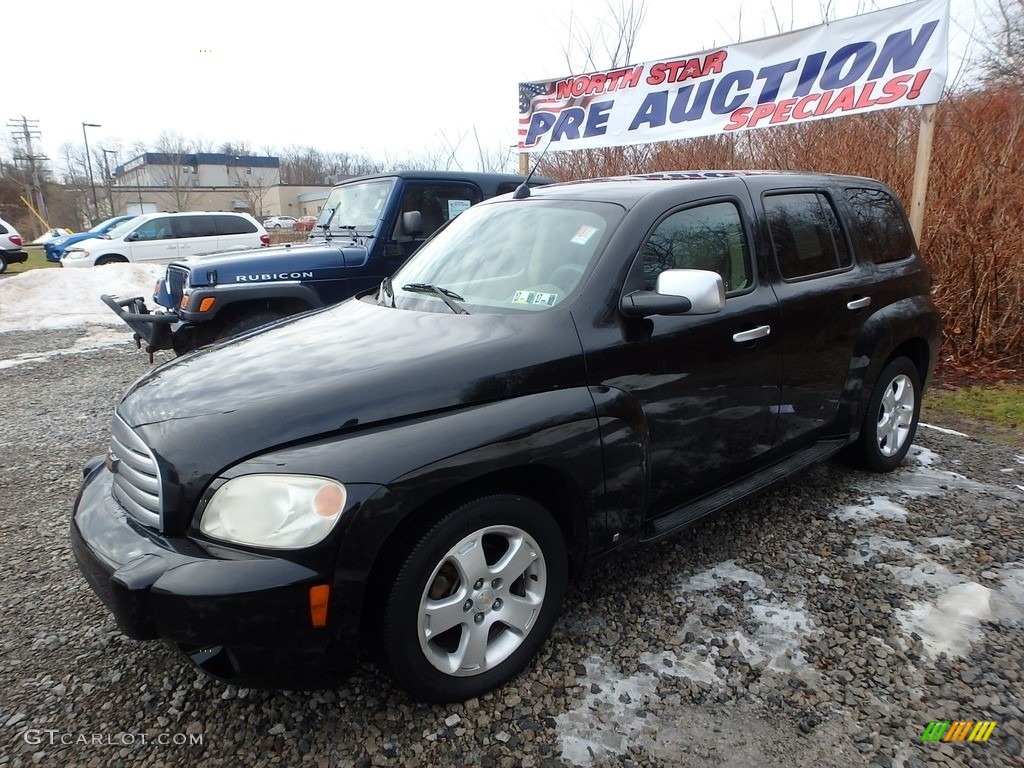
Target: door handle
[[859, 303], [171, 247], [752, 335]]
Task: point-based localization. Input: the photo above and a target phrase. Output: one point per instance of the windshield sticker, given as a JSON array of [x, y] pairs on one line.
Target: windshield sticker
[[583, 234], [455, 207], [534, 297]]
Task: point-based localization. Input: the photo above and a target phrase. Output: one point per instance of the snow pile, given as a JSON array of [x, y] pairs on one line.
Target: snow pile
[[48, 299]]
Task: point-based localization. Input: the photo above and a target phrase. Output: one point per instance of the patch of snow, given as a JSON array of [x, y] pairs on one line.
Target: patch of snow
[[608, 722], [946, 543], [953, 622], [95, 338], [47, 299], [720, 574], [943, 430], [865, 549], [923, 456], [777, 640], [690, 665], [877, 506]]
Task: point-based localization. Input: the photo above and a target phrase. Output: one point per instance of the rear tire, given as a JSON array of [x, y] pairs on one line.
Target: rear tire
[[3, 264], [890, 422], [474, 599]]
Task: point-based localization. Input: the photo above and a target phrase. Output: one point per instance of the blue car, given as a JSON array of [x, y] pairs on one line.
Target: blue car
[[55, 248]]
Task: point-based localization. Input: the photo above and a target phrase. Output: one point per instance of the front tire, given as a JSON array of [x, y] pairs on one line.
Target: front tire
[[474, 599], [892, 416], [103, 260]]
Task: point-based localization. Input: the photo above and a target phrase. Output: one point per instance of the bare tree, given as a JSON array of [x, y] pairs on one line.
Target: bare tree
[[1002, 60], [176, 169], [253, 182]]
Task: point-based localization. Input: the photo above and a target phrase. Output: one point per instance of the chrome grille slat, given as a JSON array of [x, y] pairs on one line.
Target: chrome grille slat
[[136, 483], [177, 279]]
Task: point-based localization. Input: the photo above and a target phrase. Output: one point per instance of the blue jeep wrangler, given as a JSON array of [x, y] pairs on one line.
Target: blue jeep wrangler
[[367, 228]]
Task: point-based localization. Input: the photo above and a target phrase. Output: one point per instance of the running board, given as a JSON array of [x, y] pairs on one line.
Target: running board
[[688, 513]]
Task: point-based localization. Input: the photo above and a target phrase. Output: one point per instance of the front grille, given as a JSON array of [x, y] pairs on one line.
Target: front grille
[[177, 279], [136, 474]]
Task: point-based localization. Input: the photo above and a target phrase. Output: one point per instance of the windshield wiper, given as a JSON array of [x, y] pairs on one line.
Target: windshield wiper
[[444, 294]]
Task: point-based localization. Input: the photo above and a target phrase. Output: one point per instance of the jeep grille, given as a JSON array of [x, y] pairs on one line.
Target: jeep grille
[[177, 278], [136, 474]]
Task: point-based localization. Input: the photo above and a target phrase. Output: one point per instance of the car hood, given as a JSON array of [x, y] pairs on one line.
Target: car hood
[[277, 263], [342, 368]]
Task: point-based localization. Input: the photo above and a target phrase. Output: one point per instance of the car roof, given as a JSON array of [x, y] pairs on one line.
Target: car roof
[[477, 177], [630, 189]]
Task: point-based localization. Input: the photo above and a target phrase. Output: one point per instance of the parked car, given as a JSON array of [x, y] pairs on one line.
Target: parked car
[[552, 379], [50, 235], [280, 222], [11, 251], [162, 237], [56, 247], [373, 224], [305, 223]]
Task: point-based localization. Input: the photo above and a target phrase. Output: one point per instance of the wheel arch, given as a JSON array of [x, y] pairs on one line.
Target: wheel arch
[[549, 486]]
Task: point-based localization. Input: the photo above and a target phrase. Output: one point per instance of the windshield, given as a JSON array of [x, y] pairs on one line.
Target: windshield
[[103, 225], [122, 229], [358, 206], [511, 256]]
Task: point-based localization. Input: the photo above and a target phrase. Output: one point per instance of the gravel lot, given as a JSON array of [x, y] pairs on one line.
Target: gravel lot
[[823, 623]]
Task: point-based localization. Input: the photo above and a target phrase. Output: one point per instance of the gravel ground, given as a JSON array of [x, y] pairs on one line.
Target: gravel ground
[[822, 623]]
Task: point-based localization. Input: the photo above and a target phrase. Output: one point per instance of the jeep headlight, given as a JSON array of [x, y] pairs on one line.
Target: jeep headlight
[[275, 511]]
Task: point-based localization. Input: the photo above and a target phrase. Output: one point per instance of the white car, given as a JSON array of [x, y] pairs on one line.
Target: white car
[[164, 237], [11, 251], [280, 222]]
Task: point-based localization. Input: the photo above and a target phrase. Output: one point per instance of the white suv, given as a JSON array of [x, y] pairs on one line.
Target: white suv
[[11, 251], [162, 237]]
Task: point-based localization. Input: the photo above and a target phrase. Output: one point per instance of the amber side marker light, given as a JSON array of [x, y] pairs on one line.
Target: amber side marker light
[[318, 599], [205, 304]]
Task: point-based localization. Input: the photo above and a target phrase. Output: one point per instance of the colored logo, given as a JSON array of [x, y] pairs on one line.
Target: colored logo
[[958, 730]]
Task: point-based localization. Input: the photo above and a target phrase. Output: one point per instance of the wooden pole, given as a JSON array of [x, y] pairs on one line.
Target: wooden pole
[[924, 156], [524, 163]]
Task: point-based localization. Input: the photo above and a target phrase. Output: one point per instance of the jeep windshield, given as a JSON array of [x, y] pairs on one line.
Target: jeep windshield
[[355, 208], [509, 256]]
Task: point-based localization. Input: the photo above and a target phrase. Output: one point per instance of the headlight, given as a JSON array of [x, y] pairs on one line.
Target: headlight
[[276, 511], [74, 253]]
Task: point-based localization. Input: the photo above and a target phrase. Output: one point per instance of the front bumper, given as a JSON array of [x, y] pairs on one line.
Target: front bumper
[[241, 617], [152, 327]]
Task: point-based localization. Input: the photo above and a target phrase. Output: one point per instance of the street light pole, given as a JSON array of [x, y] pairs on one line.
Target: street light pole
[[106, 178], [88, 164]]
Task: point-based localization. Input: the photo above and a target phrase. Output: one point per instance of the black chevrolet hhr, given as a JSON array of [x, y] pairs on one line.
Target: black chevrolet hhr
[[553, 378]]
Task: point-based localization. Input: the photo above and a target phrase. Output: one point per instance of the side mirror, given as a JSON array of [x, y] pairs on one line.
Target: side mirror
[[412, 223], [678, 292], [131, 237]]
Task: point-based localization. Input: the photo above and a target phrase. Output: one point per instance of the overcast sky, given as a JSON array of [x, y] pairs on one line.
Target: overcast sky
[[387, 78]]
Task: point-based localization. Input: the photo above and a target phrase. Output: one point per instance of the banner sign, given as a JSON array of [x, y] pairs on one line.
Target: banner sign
[[880, 60]]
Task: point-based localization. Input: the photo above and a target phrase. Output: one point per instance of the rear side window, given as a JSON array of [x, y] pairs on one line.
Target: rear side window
[[883, 234], [707, 237], [194, 226], [234, 225], [438, 202], [3, 229], [806, 235]]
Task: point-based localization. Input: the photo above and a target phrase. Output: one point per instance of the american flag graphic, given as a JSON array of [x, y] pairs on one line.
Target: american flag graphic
[[540, 97]]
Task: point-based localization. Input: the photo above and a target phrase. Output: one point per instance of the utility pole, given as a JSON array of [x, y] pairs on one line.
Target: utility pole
[[88, 164], [106, 180], [22, 132]]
